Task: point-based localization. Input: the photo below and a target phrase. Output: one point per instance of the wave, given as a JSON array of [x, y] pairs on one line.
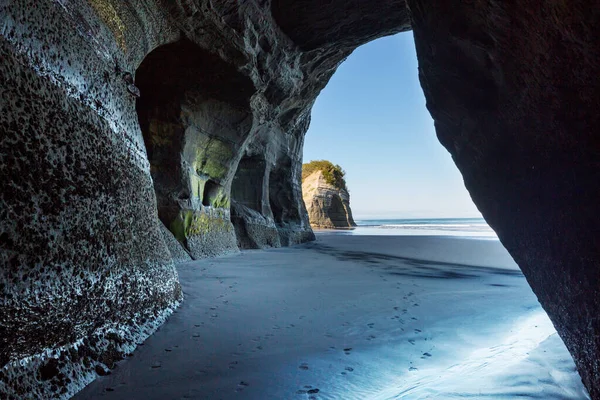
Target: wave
[[476, 227]]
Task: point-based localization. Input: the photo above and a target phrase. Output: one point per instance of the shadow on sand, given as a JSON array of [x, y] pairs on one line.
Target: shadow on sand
[[413, 267]]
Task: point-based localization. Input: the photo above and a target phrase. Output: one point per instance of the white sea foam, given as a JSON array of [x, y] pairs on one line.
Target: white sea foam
[[468, 227], [509, 367]]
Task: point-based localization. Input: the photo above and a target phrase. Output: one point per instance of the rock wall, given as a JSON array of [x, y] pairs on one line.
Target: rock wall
[[327, 206], [514, 91], [212, 148]]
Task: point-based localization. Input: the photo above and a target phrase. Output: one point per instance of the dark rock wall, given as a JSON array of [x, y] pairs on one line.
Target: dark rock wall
[[84, 271], [514, 91], [88, 168]]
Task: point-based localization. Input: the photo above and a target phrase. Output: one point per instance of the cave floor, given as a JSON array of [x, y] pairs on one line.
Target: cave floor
[[352, 317]]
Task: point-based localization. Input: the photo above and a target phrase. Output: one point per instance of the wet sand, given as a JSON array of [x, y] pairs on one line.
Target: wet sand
[[352, 317]]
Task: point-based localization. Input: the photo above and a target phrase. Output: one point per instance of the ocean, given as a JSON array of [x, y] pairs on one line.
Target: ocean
[[465, 227]]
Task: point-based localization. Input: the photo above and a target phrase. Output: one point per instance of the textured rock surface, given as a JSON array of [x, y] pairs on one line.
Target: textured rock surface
[[89, 169], [176, 249], [327, 206], [514, 92]]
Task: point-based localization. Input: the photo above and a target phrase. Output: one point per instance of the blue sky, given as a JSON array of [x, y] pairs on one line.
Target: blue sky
[[372, 121]]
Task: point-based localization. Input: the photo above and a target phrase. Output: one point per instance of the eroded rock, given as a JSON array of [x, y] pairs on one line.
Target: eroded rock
[[226, 90], [328, 206]]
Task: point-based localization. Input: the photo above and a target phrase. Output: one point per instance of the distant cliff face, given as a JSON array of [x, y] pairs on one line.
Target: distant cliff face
[[328, 205]]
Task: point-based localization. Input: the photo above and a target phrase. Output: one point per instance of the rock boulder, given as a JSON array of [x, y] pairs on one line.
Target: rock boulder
[[328, 206]]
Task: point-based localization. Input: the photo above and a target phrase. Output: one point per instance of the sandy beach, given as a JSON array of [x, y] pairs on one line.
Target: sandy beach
[[352, 317]]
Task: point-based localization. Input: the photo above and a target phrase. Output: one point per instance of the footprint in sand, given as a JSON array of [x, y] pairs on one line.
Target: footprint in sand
[[371, 324], [371, 337], [155, 365], [349, 369], [418, 331], [109, 389], [411, 341], [303, 366], [413, 369], [232, 364], [347, 350], [241, 386]]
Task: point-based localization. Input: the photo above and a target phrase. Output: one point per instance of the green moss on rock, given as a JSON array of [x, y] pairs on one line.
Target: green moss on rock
[[333, 174], [213, 158], [190, 223], [221, 201]]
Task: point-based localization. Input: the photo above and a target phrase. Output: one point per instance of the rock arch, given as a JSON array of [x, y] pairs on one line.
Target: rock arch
[[194, 113], [512, 87]]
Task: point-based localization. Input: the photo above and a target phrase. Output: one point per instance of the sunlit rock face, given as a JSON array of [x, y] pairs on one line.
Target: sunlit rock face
[[119, 116], [327, 206]]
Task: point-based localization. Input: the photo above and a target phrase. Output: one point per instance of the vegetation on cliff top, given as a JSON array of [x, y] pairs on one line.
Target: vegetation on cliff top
[[333, 174]]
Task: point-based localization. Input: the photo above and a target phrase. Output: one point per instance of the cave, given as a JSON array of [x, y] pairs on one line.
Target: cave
[[194, 115], [211, 191], [281, 193], [247, 185], [91, 171], [250, 216]]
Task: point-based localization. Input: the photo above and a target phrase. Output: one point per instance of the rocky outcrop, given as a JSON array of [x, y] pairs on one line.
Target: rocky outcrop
[[327, 206], [212, 147]]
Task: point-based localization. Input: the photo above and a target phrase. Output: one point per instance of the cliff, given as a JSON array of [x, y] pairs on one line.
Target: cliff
[[328, 205], [118, 116]]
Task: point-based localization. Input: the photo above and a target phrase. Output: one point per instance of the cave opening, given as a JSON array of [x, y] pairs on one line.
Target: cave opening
[[281, 183], [247, 188], [194, 114], [407, 194], [210, 193]]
